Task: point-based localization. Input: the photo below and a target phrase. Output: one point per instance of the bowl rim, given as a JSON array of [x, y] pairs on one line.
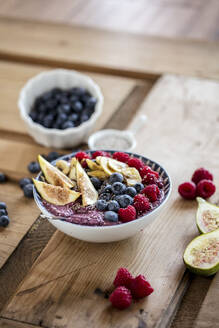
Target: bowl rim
[[42, 129], [86, 227]]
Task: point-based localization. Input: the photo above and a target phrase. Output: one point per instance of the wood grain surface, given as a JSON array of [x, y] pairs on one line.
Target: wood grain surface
[[13, 76], [61, 287], [106, 52], [166, 18]]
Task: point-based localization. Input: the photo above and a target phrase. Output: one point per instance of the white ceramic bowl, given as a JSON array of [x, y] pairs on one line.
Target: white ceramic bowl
[[64, 79], [102, 234]]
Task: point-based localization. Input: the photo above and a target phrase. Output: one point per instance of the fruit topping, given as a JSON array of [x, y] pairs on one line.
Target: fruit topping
[[141, 203], [120, 156], [202, 254], [125, 200], [187, 190], [118, 188], [54, 175], [82, 155], [113, 205], [55, 194], [152, 192], [89, 193], [131, 175], [137, 163], [98, 174], [207, 217], [131, 191], [115, 177], [123, 278], [100, 153], [111, 216], [121, 298], [3, 177], [205, 188], [127, 214], [92, 165], [149, 178], [140, 287], [201, 174], [138, 187], [101, 204], [96, 182], [64, 166]]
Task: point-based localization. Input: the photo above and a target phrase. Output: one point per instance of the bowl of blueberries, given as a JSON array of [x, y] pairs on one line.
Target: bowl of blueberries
[[60, 107]]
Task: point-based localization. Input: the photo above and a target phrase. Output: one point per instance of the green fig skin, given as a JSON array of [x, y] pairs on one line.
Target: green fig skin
[[198, 221]]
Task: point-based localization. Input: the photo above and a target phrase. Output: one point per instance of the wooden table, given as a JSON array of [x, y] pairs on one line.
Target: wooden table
[[48, 279]]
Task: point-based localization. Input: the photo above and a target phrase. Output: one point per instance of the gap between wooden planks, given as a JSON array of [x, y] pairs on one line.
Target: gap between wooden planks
[[60, 287], [105, 51]]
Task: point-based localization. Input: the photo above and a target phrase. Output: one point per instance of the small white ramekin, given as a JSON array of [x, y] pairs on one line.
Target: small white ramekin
[[64, 79]]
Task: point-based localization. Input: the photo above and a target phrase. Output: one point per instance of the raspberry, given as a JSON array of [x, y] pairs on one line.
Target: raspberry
[[205, 188], [100, 153], [127, 214], [147, 169], [187, 190], [82, 155], [201, 174], [140, 287], [160, 183], [152, 192], [135, 162], [120, 156], [141, 203], [149, 179], [121, 298], [123, 278]]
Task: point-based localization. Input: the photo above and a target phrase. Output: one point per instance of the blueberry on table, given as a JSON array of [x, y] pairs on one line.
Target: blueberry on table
[[131, 191], [115, 177], [101, 204], [33, 167], [138, 187], [118, 188], [125, 200], [96, 182], [4, 221], [3, 177], [77, 106], [28, 190], [52, 156], [67, 125], [23, 182], [113, 205], [111, 216], [3, 212], [2, 206]]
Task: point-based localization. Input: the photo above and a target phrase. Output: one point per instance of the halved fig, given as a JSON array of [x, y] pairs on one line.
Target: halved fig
[[202, 254], [207, 217], [54, 194], [131, 175], [89, 193], [64, 166], [54, 175]]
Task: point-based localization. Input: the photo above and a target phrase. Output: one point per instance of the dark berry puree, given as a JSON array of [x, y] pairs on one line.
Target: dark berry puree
[[75, 213]]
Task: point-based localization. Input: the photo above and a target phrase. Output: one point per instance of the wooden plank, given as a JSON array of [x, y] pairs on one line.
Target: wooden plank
[[181, 18], [13, 76], [209, 315], [5, 323], [106, 52], [60, 287]]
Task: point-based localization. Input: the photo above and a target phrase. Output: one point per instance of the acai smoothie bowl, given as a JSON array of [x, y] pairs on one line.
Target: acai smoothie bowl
[[101, 196]]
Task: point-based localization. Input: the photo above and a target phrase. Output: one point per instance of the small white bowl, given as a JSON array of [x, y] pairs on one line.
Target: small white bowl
[[103, 234], [64, 79]]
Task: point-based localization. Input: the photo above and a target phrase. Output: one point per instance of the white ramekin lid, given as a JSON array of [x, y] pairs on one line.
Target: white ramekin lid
[[64, 79]]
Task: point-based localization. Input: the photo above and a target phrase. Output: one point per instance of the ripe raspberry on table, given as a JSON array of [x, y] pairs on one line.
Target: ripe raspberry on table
[[205, 188], [187, 190], [127, 214], [123, 278], [121, 298], [201, 174], [120, 156], [140, 287], [141, 203]]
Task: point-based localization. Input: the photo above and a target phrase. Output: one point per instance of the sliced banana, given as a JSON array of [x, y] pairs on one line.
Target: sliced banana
[[92, 165], [131, 175], [64, 166], [98, 174]]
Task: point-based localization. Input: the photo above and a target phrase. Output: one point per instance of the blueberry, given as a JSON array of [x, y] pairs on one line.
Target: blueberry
[[101, 204], [131, 191], [52, 156], [63, 99], [125, 200], [48, 121], [106, 196], [73, 117], [61, 118], [108, 188], [42, 108], [73, 99], [28, 190], [4, 221], [56, 91], [67, 125], [84, 118], [40, 118], [113, 205], [116, 177], [23, 182], [33, 167], [96, 182], [33, 115], [2, 206], [65, 108], [78, 91], [47, 95], [138, 187], [51, 104], [118, 188], [77, 107], [111, 216], [3, 212], [91, 102], [3, 177]]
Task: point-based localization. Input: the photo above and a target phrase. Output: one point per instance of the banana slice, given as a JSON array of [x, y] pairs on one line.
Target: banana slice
[[131, 175], [104, 163], [92, 165], [98, 174], [115, 165], [64, 166]]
